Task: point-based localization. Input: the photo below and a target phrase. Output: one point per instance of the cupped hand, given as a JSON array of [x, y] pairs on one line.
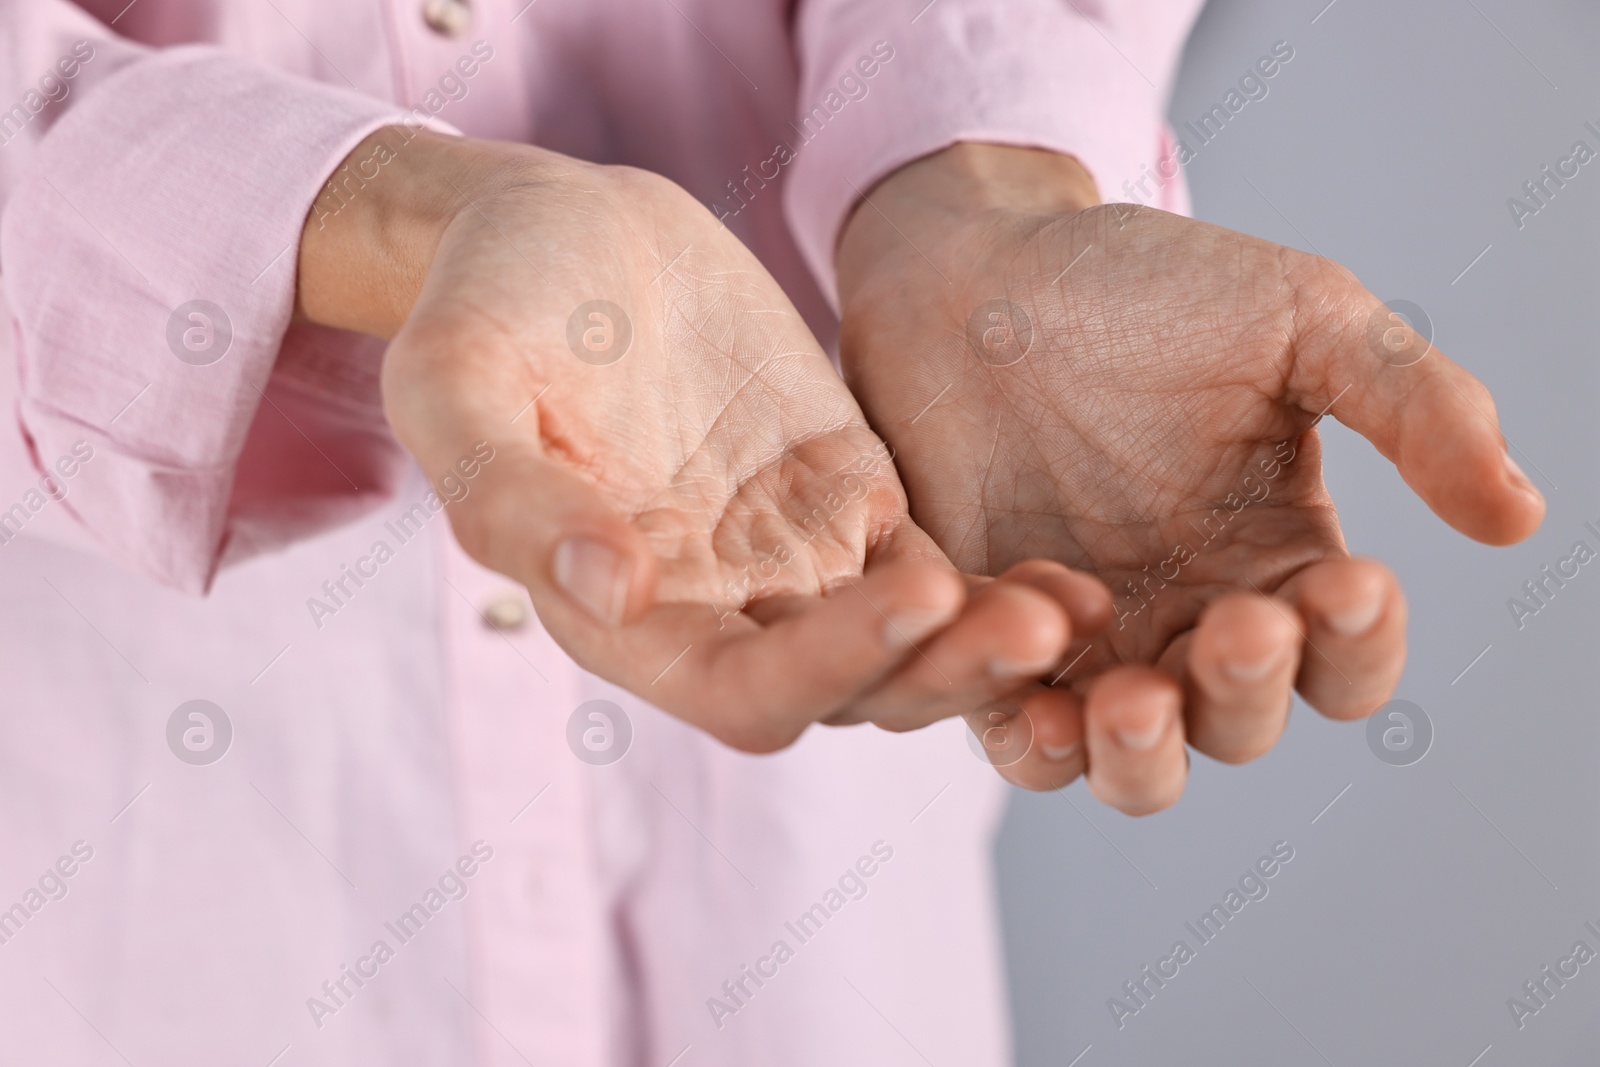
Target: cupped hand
[[1135, 394], [687, 489]]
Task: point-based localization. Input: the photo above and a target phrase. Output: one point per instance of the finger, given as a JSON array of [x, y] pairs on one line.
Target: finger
[[754, 686], [1135, 740], [1035, 742], [1086, 600], [535, 519], [1432, 419], [1355, 618], [1009, 635], [1239, 670], [527, 515], [757, 688], [760, 686]]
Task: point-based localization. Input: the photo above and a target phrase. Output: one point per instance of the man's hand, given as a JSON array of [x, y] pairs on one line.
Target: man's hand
[[689, 492], [1135, 394]]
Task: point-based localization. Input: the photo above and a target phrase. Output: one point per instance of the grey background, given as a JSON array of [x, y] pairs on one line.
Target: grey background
[[1425, 897]]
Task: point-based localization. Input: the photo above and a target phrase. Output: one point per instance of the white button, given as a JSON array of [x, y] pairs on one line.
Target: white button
[[448, 18], [509, 611]]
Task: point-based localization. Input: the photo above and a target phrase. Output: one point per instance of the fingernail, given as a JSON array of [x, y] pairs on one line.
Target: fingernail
[[1518, 478], [1357, 620], [594, 575], [1253, 672], [1058, 753], [1143, 740], [1003, 670], [909, 627]]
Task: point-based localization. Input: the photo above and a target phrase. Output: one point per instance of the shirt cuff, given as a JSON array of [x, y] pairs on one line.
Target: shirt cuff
[[150, 254], [1033, 73]]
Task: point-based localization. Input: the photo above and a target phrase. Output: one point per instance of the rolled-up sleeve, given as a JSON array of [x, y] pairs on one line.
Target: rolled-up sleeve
[[1088, 78], [149, 244]]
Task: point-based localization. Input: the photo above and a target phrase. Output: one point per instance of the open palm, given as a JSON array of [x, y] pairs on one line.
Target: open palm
[[1134, 393], [690, 493]]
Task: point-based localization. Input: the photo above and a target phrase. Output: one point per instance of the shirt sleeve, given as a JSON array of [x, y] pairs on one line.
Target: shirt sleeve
[[1088, 78], [151, 204]]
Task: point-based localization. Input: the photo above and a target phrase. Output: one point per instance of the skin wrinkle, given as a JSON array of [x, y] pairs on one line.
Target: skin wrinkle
[[1290, 264], [1117, 477], [738, 481], [744, 498], [727, 396], [1008, 399], [1033, 476], [710, 427], [725, 413], [753, 375], [1129, 555], [1168, 418], [754, 378], [812, 569], [983, 480], [1154, 402]]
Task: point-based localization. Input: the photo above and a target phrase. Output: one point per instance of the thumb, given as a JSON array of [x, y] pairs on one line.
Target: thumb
[[525, 514], [536, 520], [1357, 360]]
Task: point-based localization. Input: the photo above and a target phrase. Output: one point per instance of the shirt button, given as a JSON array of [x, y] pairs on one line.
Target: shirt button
[[508, 611], [447, 18]]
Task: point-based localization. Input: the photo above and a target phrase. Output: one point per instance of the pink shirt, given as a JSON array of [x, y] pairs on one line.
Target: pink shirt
[[399, 773]]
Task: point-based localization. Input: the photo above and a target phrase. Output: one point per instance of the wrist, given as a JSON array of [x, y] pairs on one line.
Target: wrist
[[932, 197], [373, 229]]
